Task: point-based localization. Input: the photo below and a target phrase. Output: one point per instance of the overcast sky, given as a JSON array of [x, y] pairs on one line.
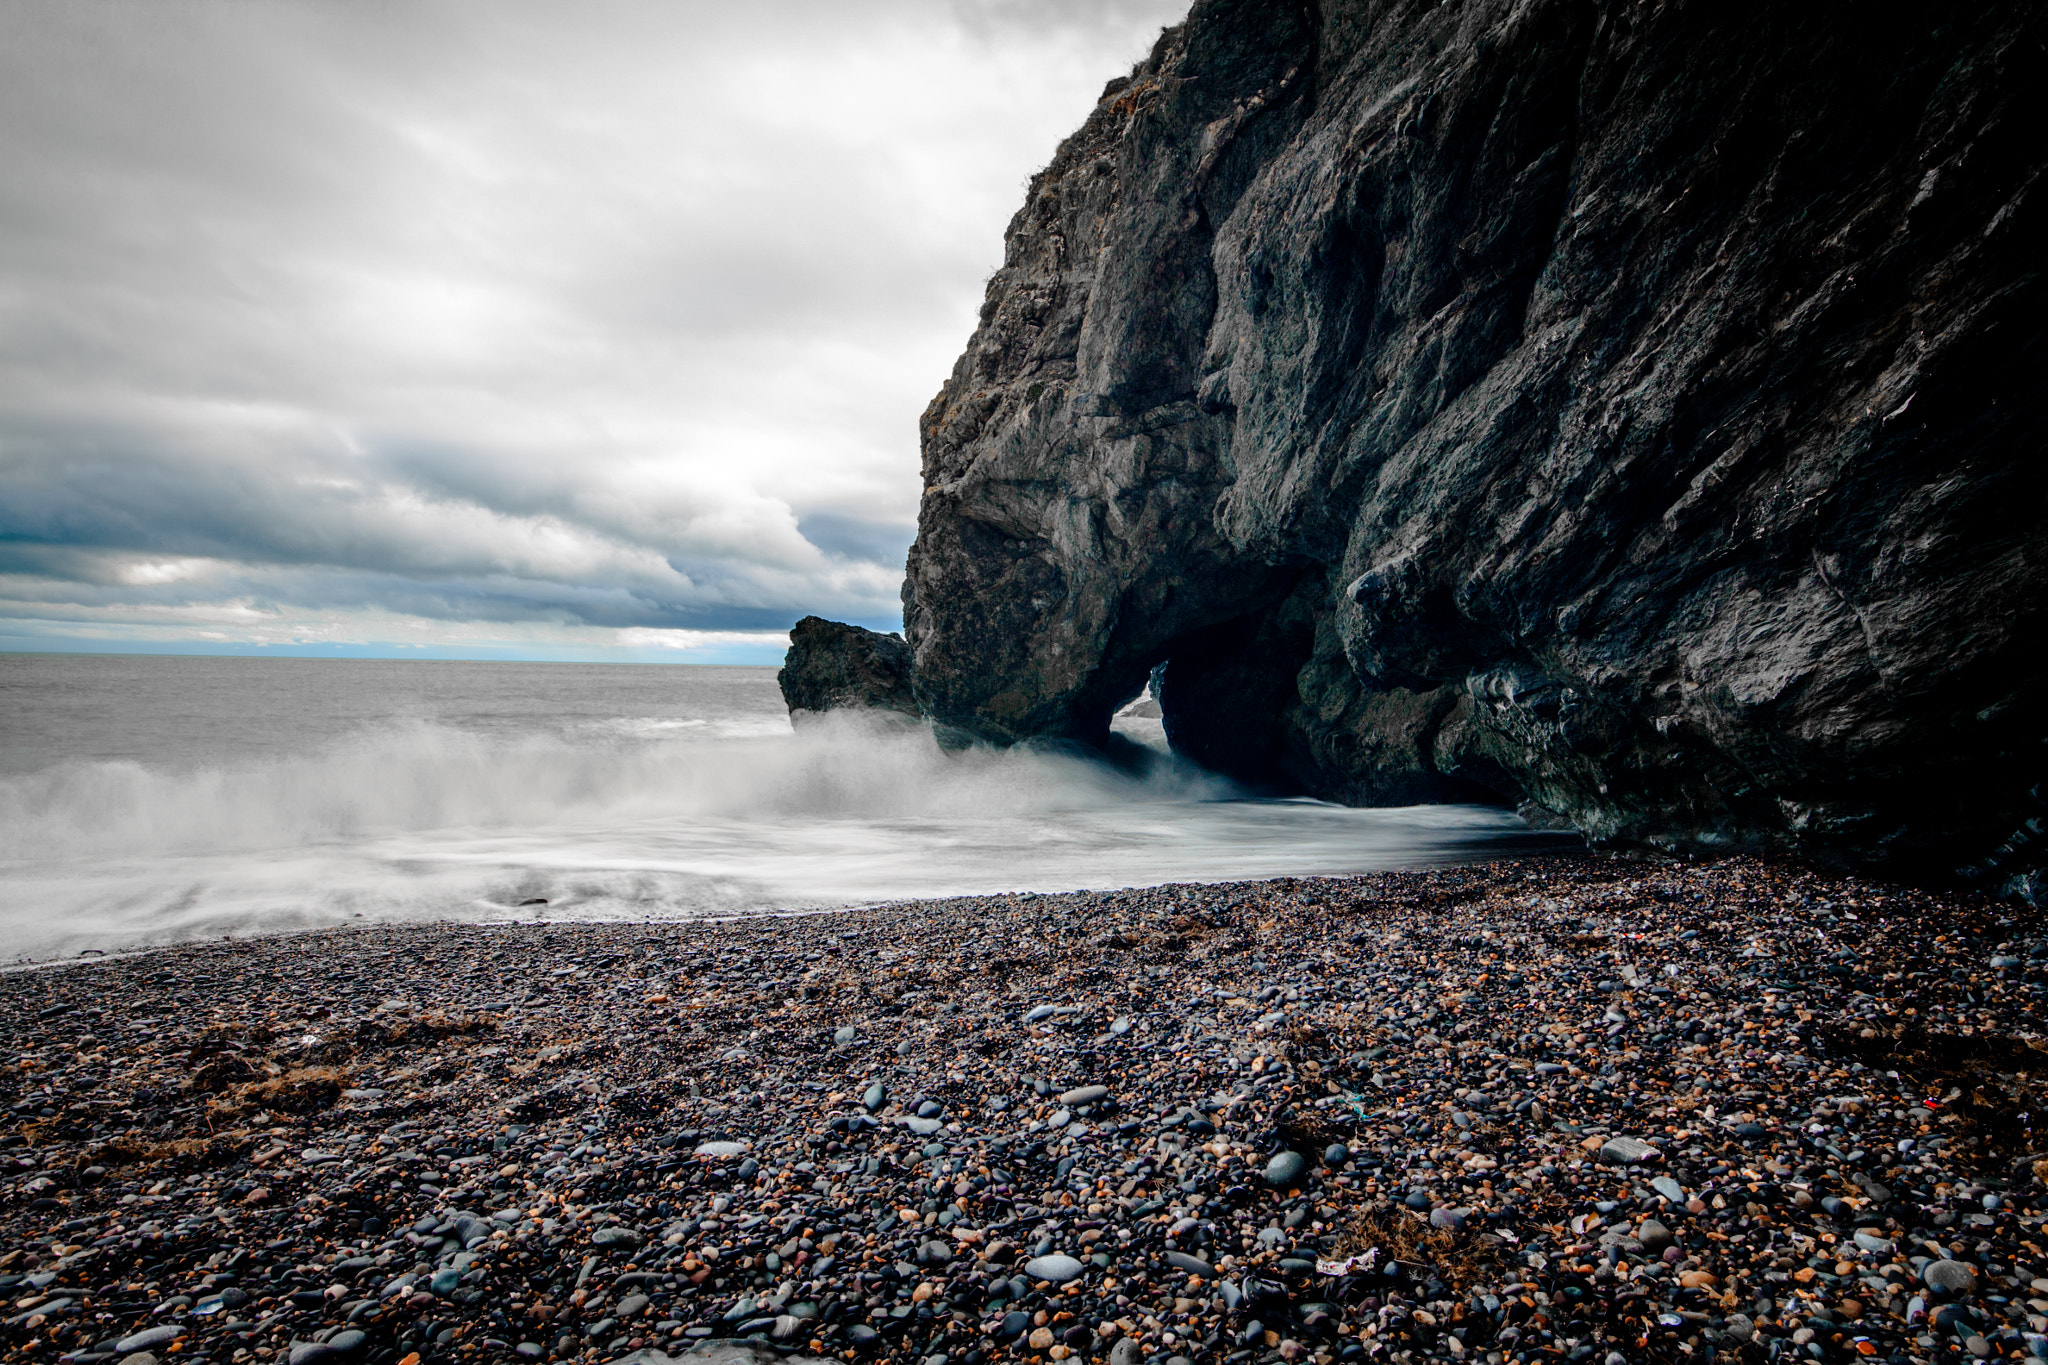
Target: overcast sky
[[505, 327]]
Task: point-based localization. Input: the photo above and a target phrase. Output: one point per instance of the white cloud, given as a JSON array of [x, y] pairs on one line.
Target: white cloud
[[615, 316], [690, 640]]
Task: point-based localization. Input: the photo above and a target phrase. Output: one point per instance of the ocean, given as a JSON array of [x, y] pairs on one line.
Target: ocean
[[155, 799]]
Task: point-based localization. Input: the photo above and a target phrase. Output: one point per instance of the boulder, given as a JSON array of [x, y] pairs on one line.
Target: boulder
[[833, 666]]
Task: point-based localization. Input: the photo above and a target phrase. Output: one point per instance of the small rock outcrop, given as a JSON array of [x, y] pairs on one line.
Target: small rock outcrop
[[833, 666], [1630, 412]]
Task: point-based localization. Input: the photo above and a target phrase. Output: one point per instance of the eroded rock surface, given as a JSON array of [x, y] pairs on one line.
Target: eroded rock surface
[[833, 666], [1631, 411]]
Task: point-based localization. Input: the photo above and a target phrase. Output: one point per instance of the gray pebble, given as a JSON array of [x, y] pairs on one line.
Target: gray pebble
[[721, 1149], [331, 1352], [1285, 1169], [1056, 1268], [149, 1339], [1624, 1151], [1952, 1277]]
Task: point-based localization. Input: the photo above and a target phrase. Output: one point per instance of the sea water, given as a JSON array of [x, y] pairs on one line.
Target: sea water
[[157, 799]]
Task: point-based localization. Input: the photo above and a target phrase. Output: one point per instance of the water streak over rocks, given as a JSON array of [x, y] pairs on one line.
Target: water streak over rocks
[[577, 1142]]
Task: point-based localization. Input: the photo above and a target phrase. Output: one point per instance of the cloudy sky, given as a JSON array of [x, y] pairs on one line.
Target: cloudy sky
[[496, 327]]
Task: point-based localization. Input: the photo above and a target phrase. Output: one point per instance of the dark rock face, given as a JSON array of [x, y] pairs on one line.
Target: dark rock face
[[831, 666], [1633, 411]]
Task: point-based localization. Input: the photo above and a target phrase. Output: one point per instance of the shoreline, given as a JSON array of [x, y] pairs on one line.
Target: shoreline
[[1581, 1103], [1520, 845]]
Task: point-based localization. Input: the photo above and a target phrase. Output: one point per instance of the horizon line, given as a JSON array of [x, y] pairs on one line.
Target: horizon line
[[718, 656]]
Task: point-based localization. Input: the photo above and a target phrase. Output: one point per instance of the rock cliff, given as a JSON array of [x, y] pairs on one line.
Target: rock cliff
[[1633, 411]]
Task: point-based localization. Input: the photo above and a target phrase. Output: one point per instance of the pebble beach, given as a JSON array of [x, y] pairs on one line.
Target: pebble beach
[[1564, 1108]]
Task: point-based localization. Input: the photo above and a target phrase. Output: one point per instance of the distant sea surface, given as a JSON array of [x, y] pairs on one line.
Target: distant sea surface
[[156, 799]]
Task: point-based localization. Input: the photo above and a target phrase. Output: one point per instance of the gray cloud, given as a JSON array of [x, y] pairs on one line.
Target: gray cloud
[[496, 315]]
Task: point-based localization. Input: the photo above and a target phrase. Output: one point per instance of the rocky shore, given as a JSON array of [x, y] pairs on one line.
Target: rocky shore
[[1590, 1109]]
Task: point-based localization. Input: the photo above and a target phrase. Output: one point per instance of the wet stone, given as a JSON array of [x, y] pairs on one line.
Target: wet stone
[[721, 1149], [1950, 1277], [1054, 1267], [1624, 1151], [1285, 1169], [149, 1339]]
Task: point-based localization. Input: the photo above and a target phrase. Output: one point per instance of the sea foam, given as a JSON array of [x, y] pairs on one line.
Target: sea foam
[[646, 820]]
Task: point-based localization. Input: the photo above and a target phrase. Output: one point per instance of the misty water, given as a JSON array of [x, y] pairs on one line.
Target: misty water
[[156, 799]]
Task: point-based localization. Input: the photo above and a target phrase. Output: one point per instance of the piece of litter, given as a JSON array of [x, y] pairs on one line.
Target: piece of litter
[[1350, 1265]]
